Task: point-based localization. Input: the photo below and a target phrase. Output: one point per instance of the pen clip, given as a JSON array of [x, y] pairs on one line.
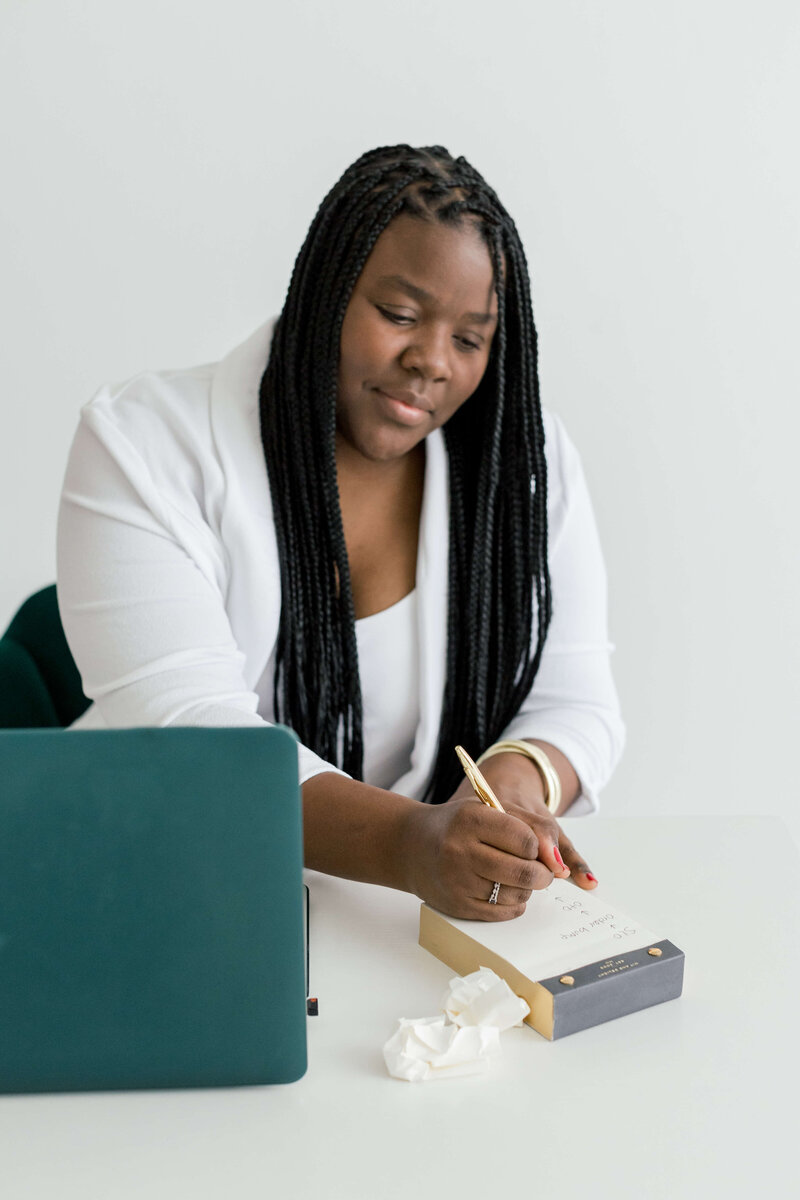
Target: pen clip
[[479, 784]]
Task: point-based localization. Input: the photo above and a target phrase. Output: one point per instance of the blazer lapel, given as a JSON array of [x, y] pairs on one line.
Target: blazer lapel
[[247, 527]]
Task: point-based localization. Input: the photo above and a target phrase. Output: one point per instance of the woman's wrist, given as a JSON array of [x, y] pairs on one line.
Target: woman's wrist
[[515, 779], [516, 768]]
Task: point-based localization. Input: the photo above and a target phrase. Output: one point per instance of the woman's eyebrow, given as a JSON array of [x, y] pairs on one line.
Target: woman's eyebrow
[[418, 293]]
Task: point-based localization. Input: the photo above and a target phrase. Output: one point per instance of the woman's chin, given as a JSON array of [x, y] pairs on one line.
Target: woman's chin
[[382, 445]]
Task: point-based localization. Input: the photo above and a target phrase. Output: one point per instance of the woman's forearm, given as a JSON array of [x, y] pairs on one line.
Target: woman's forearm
[[356, 831], [361, 832], [450, 855]]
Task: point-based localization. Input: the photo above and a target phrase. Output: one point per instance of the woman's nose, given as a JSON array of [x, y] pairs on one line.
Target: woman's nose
[[429, 354]]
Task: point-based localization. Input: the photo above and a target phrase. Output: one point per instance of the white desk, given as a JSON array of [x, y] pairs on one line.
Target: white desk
[[694, 1098]]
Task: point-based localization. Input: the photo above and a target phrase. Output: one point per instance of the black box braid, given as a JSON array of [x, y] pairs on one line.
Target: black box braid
[[499, 584]]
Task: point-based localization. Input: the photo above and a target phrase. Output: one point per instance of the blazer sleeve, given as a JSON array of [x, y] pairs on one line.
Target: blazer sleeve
[[573, 703], [141, 590]]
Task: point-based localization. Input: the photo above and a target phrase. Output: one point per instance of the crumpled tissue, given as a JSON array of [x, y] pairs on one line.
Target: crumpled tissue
[[430, 1048], [483, 998], [479, 1007]]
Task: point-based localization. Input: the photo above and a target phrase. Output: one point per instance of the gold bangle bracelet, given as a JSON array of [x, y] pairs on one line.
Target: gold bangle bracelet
[[550, 779]]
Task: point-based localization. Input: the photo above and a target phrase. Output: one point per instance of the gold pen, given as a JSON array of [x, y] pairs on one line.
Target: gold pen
[[479, 784]]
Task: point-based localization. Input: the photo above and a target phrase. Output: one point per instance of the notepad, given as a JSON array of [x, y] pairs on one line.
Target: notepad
[[577, 959]]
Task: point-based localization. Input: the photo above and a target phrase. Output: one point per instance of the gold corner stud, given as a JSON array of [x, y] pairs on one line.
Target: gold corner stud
[[654, 950], [567, 980]]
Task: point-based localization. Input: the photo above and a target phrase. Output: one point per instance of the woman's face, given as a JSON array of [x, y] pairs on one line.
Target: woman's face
[[416, 336]]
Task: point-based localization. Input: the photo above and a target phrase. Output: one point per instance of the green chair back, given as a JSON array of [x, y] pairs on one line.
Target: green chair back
[[40, 684]]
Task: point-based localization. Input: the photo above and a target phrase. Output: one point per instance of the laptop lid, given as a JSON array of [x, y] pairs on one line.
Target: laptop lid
[[151, 909]]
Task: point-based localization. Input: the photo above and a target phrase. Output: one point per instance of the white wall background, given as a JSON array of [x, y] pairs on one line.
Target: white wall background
[[161, 162]]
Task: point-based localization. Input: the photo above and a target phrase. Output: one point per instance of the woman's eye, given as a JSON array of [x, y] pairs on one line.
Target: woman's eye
[[395, 318], [403, 319]]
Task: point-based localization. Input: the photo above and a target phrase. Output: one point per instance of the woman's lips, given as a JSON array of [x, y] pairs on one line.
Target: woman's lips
[[401, 411]]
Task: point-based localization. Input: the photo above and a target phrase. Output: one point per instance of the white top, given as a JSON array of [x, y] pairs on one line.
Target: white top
[[388, 663], [169, 580], [388, 666]]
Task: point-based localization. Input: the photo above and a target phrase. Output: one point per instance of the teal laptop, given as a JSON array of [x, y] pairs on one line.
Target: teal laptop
[[151, 909]]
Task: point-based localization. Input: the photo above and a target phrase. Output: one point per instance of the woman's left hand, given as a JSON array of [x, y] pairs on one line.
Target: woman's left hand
[[518, 786]]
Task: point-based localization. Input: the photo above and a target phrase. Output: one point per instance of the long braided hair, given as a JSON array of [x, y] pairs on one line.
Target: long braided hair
[[499, 585]]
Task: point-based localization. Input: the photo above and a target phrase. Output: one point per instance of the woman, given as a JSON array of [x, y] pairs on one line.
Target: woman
[[347, 526]]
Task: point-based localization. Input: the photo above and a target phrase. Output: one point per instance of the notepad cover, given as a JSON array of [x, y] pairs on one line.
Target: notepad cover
[[576, 959]]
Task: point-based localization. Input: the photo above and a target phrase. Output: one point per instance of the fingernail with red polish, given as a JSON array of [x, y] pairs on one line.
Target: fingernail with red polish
[[590, 876], [557, 856]]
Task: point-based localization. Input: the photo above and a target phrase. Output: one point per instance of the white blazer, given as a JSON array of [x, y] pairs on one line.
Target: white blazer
[[169, 582]]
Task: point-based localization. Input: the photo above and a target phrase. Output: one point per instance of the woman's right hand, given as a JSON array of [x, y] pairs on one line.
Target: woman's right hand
[[456, 852]]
